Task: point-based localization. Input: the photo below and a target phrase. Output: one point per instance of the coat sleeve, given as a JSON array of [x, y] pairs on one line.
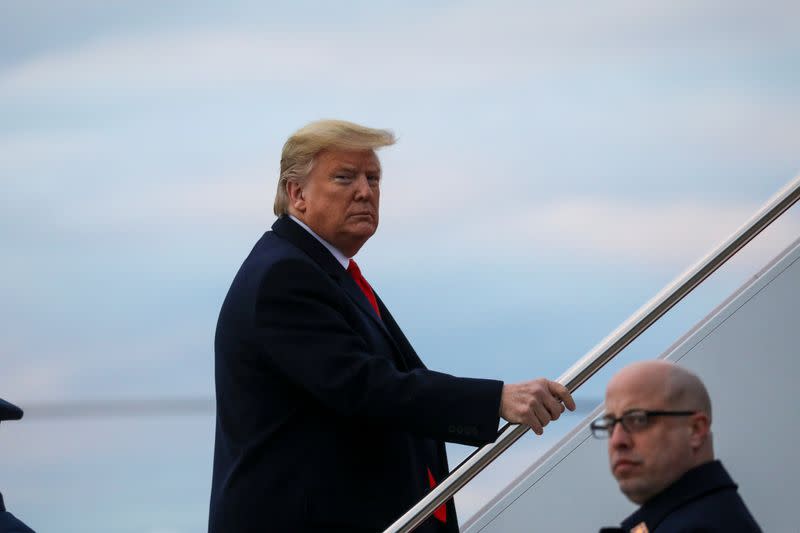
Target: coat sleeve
[[301, 332]]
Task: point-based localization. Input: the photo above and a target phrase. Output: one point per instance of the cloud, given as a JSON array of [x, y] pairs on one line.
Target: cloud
[[27, 150], [227, 202], [618, 232], [447, 211], [208, 59], [445, 47], [34, 376], [608, 231], [441, 200]]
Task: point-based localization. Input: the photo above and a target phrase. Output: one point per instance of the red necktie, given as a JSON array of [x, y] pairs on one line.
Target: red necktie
[[441, 512], [354, 271]]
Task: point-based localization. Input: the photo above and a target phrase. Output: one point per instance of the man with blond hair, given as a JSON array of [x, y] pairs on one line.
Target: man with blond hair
[[327, 420], [658, 426]]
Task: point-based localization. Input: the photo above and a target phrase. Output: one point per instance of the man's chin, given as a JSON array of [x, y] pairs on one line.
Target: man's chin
[[634, 490], [355, 238], [363, 230]]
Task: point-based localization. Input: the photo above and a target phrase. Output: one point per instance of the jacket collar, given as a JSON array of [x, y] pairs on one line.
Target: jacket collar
[[339, 256], [290, 230], [697, 482]]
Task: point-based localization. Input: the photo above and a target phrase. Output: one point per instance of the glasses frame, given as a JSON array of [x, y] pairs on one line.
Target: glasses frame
[[599, 430]]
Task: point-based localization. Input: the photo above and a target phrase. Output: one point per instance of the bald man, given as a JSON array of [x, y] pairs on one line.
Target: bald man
[[658, 426]]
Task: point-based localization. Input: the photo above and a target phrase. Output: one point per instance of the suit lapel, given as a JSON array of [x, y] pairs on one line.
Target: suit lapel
[[411, 359], [357, 295], [288, 229]]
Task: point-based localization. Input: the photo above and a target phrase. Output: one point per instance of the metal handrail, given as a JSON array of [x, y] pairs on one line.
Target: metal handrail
[[601, 354]]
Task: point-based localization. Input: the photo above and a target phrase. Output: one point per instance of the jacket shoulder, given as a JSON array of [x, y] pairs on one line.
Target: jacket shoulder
[[270, 255], [720, 511]]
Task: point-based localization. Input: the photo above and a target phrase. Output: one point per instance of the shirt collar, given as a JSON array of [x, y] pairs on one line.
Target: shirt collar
[[340, 257]]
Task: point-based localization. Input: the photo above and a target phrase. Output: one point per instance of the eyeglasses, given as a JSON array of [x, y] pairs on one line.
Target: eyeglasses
[[632, 421]]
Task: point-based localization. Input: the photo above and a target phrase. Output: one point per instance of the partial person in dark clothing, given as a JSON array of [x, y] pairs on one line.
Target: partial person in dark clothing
[[658, 422], [8, 522]]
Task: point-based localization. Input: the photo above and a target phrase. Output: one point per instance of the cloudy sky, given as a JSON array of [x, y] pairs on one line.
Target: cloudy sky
[[557, 164]]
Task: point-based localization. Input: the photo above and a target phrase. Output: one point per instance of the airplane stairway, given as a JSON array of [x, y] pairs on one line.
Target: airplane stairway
[[746, 351]]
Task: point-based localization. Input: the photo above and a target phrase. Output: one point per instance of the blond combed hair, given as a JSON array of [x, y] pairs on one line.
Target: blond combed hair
[[297, 157]]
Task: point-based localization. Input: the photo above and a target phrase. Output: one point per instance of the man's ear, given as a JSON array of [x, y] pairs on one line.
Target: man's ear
[[296, 197], [699, 428]]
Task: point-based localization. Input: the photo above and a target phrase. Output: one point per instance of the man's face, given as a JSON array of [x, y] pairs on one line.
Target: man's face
[[340, 198], [646, 462]]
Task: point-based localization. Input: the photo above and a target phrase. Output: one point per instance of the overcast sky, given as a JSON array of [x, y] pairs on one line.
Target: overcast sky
[[557, 165]]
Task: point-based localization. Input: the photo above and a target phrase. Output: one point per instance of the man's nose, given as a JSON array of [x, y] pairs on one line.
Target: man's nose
[[619, 437], [362, 187]]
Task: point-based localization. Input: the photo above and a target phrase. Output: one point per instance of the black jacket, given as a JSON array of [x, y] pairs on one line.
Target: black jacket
[[704, 500], [327, 420]]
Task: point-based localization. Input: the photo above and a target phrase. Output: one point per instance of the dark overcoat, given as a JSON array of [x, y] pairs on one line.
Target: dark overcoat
[[327, 420]]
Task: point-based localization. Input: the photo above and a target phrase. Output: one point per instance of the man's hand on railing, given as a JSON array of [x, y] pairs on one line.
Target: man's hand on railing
[[534, 403]]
